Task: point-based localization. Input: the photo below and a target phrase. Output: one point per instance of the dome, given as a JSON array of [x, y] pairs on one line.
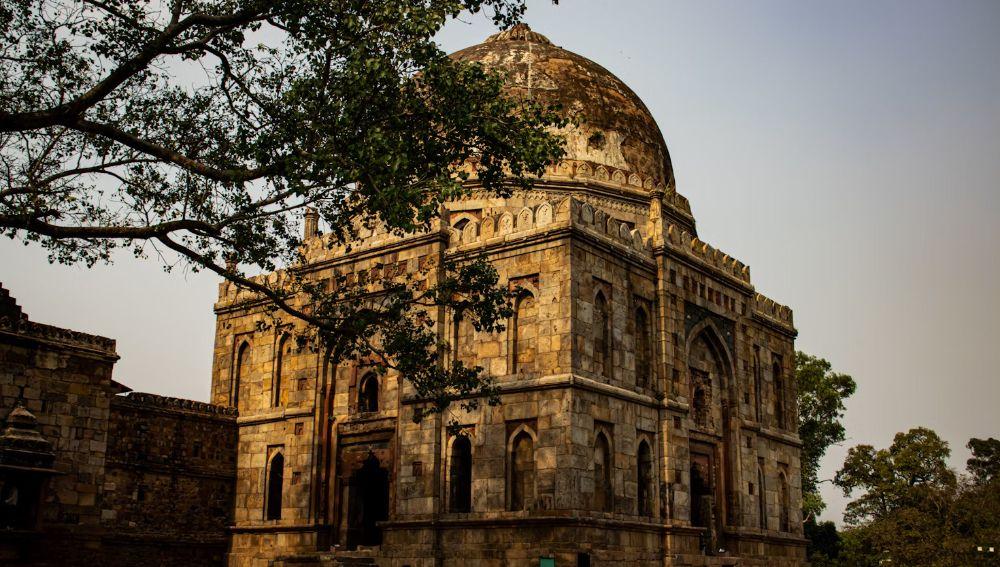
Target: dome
[[610, 125]]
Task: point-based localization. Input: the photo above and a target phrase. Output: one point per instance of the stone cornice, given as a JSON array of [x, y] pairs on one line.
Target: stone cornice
[[570, 381], [94, 345], [189, 408], [275, 414], [699, 265]]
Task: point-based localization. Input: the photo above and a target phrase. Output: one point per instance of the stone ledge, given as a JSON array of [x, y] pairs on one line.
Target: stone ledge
[[272, 528], [277, 414], [57, 336], [557, 519], [143, 400], [555, 381]]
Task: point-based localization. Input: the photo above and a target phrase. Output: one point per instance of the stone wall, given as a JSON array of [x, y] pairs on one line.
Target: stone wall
[[64, 379], [169, 480], [136, 479]]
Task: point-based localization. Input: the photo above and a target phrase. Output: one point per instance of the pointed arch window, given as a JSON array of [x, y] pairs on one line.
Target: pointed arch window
[[368, 393], [524, 339], [761, 500], [643, 348], [602, 473], [779, 396], [783, 497], [645, 479], [460, 475], [602, 335], [274, 486], [522, 473], [281, 363], [758, 387], [242, 366]]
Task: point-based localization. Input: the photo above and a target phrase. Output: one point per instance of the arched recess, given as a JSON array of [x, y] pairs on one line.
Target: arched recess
[[463, 340], [784, 503], [241, 367], [712, 391], [779, 395], [274, 486], [644, 478], [603, 351], [643, 348], [524, 334], [758, 386], [603, 469], [325, 490], [282, 361], [521, 469], [460, 220], [460, 475], [368, 393], [761, 499]]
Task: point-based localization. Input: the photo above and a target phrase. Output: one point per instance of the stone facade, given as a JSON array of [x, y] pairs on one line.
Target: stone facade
[[91, 477], [169, 481], [647, 414]]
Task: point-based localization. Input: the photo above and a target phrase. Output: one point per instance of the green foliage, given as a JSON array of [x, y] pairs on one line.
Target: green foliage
[[912, 471], [824, 542], [197, 131], [821, 395], [913, 510], [984, 465]]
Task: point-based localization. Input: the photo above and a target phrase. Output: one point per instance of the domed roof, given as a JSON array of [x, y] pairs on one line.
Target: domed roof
[[611, 126]]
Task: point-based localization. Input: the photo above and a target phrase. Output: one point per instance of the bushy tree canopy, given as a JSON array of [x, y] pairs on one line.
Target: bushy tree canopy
[[984, 465], [913, 510], [908, 472], [199, 130], [821, 395]]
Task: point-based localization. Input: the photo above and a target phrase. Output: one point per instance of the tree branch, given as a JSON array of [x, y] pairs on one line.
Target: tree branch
[[33, 224], [233, 175]]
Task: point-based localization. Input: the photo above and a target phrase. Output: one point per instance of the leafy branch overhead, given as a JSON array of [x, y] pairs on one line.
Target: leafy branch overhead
[[200, 130]]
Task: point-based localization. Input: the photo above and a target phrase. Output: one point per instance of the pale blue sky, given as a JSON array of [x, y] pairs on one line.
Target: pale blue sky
[[849, 152]]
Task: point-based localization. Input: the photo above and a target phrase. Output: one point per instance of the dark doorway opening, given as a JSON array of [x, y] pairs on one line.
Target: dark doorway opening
[[275, 485], [701, 493], [705, 505], [368, 504], [460, 499]]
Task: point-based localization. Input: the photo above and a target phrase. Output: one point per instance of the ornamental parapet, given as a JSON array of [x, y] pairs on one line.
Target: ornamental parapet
[[175, 404], [57, 335], [771, 309], [608, 176], [685, 243]]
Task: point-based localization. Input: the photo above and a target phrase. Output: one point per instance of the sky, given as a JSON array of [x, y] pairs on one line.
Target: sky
[[849, 152]]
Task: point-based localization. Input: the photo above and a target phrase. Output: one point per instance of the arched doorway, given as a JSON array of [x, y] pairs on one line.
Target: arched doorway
[[713, 400], [460, 475], [368, 503]]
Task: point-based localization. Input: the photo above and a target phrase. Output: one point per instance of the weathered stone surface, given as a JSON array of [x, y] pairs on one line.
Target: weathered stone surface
[[136, 480], [680, 358]]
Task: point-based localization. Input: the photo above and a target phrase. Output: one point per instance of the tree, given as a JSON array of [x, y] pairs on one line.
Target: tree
[[199, 131], [824, 546], [912, 509], [910, 472], [984, 465], [821, 395]]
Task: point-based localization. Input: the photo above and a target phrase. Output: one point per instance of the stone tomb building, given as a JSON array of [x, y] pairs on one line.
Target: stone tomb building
[[648, 403]]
